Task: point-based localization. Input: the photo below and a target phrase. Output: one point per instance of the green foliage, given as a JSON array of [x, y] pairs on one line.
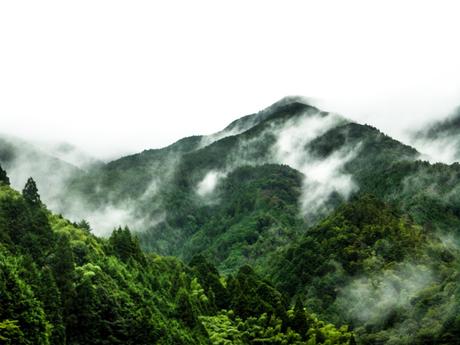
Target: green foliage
[[30, 192], [253, 296], [126, 246], [255, 213], [370, 266], [84, 224], [386, 264], [4, 177], [23, 320], [210, 280], [71, 287], [226, 328]]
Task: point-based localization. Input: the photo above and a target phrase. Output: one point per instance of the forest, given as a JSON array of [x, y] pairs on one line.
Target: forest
[[290, 226]]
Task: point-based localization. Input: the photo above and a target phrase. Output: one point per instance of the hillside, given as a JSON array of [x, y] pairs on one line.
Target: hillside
[[23, 159], [186, 198], [59, 284], [440, 139], [307, 207]]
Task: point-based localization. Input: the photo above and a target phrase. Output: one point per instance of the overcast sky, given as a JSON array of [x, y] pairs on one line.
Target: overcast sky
[[121, 76]]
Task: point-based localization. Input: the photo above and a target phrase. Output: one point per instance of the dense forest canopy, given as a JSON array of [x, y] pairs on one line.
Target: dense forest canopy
[[290, 226]]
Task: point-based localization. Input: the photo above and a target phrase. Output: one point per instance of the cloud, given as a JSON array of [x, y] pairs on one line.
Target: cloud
[[323, 176], [163, 75], [371, 299], [444, 149], [208, 184]]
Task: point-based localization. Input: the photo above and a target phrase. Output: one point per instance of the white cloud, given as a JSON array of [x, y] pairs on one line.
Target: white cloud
[[208, 184], [116, 76], [372, 299], [323, 175]]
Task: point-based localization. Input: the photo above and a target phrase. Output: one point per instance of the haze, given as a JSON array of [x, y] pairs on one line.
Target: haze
[[114, 77]]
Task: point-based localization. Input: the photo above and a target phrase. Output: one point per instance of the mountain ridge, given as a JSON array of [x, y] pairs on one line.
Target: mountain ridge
[[333, 215]]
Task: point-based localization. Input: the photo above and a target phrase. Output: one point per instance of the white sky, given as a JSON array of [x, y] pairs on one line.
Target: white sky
[[121, 76]]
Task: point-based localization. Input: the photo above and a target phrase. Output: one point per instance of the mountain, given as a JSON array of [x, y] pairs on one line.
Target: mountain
[[329, 214], [70, 154], [440, 139], [371, 266], [192, 196], [59, 284], [23, 159]]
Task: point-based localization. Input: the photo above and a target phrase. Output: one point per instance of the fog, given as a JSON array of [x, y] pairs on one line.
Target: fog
[[208, 184], [113, 77], [371, 299], [323, 176]]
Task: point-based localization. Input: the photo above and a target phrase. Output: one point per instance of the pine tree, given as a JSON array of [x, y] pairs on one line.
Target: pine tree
[[4, 177], [51, 298], [184, 308], [299, 320], [63, 267], [84, 224], [30, 192], [126, 246]]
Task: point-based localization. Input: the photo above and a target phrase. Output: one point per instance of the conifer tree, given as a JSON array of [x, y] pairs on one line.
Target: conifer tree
[[4, 177], [299, 320], [30, 192]]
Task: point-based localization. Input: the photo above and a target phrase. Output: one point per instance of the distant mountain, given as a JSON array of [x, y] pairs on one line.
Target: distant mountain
[[70, 154], [304, 160], [447, 127], [24, 159], [440, 140]]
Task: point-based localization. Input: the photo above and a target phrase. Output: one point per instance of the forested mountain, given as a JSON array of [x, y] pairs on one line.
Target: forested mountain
[[23, 159], [440, 140], [59, 284], [250, 235]]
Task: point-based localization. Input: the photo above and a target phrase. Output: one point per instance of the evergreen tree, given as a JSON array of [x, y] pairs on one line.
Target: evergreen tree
[[84, 224], [22, 319], [63, 266], [210, 280], [30, 192], [299, 320], [4, 177], [126, 246], [50, 296], [185, 309]]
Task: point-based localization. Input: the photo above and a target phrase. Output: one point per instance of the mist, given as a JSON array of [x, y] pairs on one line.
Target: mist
[[323, 176], [370, 300], [130, 87], [208, 184]]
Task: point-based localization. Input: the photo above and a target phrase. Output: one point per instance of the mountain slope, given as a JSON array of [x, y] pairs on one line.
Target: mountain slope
[[336, 215], [23, 159], [173, 195], [440, 140], [369, 265], [59, 284]]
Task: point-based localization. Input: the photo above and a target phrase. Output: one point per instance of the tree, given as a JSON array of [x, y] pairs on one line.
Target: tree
[[184, 308], [51, 298], [210, 280], [299, 321], [4, 177], [30, 192], [63, 267], [23, 320], [126, 246], [84, 224]]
